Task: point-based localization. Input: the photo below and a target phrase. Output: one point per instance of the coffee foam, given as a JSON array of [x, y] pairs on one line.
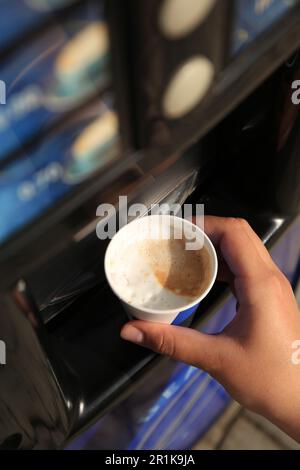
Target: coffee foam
[[160, 274]]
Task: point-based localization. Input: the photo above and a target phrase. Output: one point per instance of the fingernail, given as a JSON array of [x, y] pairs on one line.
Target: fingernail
[[130, 333]]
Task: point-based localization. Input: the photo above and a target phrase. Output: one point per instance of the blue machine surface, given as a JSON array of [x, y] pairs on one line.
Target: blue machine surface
[[31, 185], [21, 16], [44, 81], [253, 17]]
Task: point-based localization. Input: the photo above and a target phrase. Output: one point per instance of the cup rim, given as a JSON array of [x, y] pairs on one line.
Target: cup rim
[[174, 310]]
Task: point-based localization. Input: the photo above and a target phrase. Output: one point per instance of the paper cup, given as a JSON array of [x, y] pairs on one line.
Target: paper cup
[[122, 255]]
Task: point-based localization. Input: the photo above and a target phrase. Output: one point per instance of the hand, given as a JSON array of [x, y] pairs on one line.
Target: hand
[[252, 357]]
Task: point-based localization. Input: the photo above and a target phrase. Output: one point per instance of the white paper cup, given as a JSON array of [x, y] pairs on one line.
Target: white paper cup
[[122, 254]]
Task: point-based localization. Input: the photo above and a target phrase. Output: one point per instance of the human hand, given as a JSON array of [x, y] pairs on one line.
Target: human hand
[[252, 357]]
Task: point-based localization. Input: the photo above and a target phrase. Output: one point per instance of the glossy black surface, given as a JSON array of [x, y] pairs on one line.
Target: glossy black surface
[[152, 73], [66, 364], [259, 145], [235, 79], [33, 410]]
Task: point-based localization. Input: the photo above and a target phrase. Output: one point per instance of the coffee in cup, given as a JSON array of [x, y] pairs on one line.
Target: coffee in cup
[[157, 272]]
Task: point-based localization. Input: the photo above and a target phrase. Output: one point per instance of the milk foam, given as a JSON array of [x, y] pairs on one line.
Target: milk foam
[[133, 272]]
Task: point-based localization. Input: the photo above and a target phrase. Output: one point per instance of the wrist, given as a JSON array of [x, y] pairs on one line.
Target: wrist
[[282, 405]]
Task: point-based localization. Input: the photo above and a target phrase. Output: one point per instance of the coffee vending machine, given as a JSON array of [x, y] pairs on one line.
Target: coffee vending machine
[[159, 101]]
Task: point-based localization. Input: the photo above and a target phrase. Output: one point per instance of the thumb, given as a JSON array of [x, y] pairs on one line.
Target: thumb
[[183, 344]]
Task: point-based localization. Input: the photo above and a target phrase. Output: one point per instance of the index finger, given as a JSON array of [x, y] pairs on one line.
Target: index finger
[[244, 254]]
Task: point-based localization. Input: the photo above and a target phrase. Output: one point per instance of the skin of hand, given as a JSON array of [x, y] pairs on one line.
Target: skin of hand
[[252, 356]]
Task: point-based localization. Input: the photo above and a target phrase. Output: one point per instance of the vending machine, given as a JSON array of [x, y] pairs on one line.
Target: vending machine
[[160, 101]]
